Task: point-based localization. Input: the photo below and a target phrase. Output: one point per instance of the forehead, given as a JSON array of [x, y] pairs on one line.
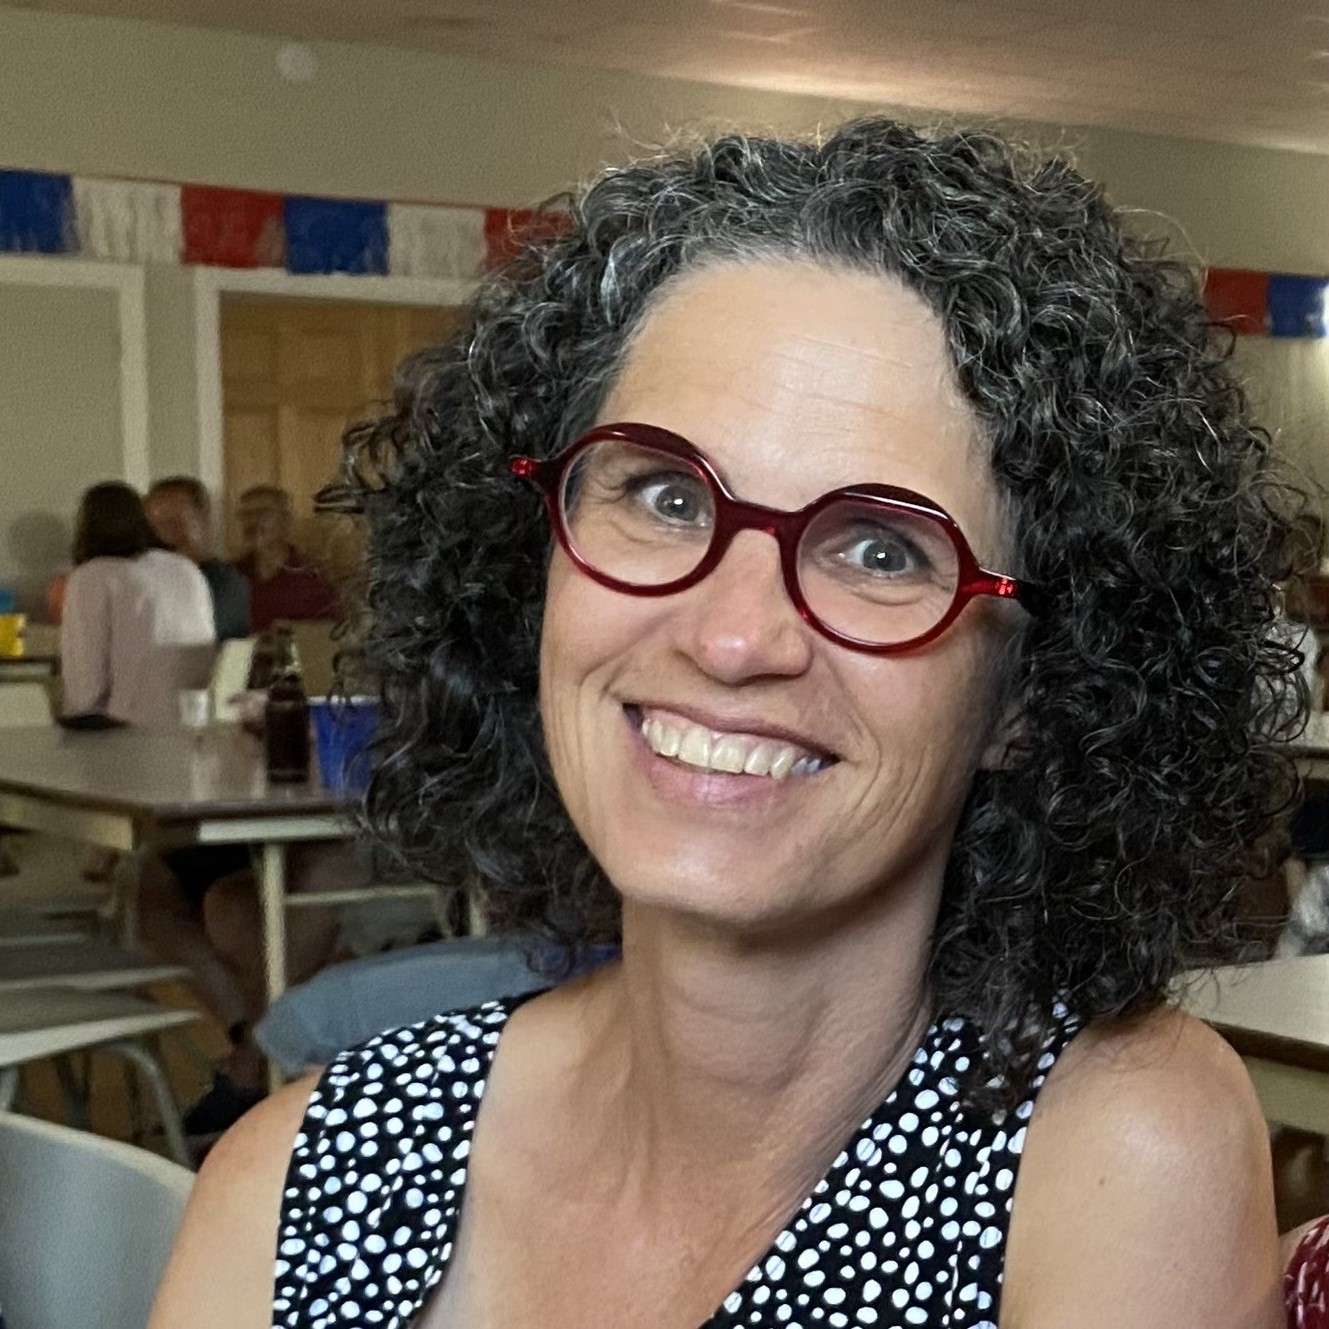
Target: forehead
[[797, 379]]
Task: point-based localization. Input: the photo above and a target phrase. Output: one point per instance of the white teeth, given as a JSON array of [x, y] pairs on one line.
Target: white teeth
[[669, 740], [727, 755], [759, 760], [695, 749], [732, 754]]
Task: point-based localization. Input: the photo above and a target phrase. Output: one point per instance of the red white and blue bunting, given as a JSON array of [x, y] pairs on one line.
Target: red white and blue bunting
[[134, 221], [1279, 304]]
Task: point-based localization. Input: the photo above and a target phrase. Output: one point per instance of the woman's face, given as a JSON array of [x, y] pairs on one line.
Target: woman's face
[[793, 380]]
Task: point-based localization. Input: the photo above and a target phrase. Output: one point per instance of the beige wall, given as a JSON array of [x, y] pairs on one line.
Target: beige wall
[[102, 96], [97, 96], [60, 427], [172, 395], [1237, 207], [1289, 386]]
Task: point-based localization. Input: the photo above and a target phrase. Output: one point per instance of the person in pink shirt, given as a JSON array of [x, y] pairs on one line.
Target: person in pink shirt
[[137, 623], [283, 585]]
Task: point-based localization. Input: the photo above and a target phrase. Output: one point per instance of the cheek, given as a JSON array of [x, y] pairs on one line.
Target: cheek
[[932, 716], [586, 629], [567, 638]]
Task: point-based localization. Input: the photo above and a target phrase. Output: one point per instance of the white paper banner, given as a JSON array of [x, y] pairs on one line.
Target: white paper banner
[[435, 242], [126, 221]]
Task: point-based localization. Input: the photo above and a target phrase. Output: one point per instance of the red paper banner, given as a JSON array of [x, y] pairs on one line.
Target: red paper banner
[[232, 228], [1239, 298], [509, 230]]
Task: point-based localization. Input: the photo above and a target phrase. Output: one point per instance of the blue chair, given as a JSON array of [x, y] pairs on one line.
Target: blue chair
[[345, 1004]]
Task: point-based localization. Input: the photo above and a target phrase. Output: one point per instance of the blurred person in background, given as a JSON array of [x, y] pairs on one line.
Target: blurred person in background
[[1306, 873], [283, 584], [181, 515], [198, 906], [137, 623], [53, 598]]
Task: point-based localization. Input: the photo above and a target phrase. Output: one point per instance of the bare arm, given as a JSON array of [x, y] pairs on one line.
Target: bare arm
[[85, 643], [1146, 1194], [220, 1274]]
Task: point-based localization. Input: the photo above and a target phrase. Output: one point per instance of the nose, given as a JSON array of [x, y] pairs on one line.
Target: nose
[[739, 624]]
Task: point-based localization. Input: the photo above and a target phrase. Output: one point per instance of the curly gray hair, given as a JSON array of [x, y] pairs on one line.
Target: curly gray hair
[[1144, 778]]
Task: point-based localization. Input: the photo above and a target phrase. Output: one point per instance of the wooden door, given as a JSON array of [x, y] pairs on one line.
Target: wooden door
[[295, 373]]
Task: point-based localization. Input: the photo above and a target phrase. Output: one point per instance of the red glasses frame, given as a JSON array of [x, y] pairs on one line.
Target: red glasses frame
[[733, 515]]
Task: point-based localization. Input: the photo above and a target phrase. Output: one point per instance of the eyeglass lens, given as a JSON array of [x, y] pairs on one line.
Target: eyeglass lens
[[870, 571]]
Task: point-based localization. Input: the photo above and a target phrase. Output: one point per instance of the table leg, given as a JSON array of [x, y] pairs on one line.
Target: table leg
[[124, 897], [272, 892]]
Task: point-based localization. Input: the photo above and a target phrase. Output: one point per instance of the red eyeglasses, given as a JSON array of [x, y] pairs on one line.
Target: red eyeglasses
[[871, 567]]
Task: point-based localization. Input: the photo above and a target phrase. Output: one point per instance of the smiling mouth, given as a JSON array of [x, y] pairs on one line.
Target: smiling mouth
[[679, 740]]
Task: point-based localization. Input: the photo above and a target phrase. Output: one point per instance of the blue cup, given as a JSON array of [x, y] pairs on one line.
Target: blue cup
[[343, 729], [8, 605]]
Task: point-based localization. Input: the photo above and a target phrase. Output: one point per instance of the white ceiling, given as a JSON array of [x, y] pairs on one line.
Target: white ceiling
[[1245, 71]]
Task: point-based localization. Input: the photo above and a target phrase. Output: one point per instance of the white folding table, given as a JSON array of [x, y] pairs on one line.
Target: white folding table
[[131, 789], [1275, 1013]]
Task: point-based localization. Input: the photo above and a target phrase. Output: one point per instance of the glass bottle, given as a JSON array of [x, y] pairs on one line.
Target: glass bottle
[[286, 716], [260, 663]]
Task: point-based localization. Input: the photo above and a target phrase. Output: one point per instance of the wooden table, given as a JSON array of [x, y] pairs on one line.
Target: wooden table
[[130, 789], [1276, 1015]]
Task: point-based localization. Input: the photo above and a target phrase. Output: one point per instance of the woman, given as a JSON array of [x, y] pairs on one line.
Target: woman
[[137, 622], [897, 688]]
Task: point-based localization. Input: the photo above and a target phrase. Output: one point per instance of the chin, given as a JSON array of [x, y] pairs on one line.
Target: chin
[[720, 894]]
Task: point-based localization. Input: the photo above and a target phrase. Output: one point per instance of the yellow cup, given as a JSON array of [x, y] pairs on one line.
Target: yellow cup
[[11, 634]]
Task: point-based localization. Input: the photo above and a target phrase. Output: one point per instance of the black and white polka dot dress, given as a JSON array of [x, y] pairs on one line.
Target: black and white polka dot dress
[[908, 1227]]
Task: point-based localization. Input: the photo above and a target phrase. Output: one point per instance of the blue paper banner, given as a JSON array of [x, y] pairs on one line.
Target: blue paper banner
[[36, 212], [1297, 306], [336, 235]]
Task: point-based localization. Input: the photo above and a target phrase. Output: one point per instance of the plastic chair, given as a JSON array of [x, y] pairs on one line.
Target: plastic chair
[[91, 966], [347, 1003], [22, 706], [86, 1225], [39, 1023], [28, 706], [230, 676], [17, 929], [1306, 1276]]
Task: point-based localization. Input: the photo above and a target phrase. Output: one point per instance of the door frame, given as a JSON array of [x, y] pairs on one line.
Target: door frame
[[210, 284], [127, 283]]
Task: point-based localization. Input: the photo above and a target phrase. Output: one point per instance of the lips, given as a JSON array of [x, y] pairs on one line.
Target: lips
[[731, 752]]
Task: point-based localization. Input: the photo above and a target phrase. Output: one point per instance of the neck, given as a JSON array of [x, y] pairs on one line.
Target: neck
[[269, 562], [744, 1065]]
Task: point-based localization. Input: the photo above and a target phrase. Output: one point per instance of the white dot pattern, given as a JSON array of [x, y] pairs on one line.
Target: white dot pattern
[[908, 1227]]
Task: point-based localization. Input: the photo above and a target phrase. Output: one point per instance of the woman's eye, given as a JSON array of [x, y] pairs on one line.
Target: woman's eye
[[676, 498], [885, 554]]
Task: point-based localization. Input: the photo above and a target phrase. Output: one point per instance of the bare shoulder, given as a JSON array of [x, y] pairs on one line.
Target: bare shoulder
[[1165, 1077], [220, 1274], [1145, 1195]]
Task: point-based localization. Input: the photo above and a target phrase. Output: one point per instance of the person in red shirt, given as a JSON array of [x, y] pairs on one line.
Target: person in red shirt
[[283, 585]]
